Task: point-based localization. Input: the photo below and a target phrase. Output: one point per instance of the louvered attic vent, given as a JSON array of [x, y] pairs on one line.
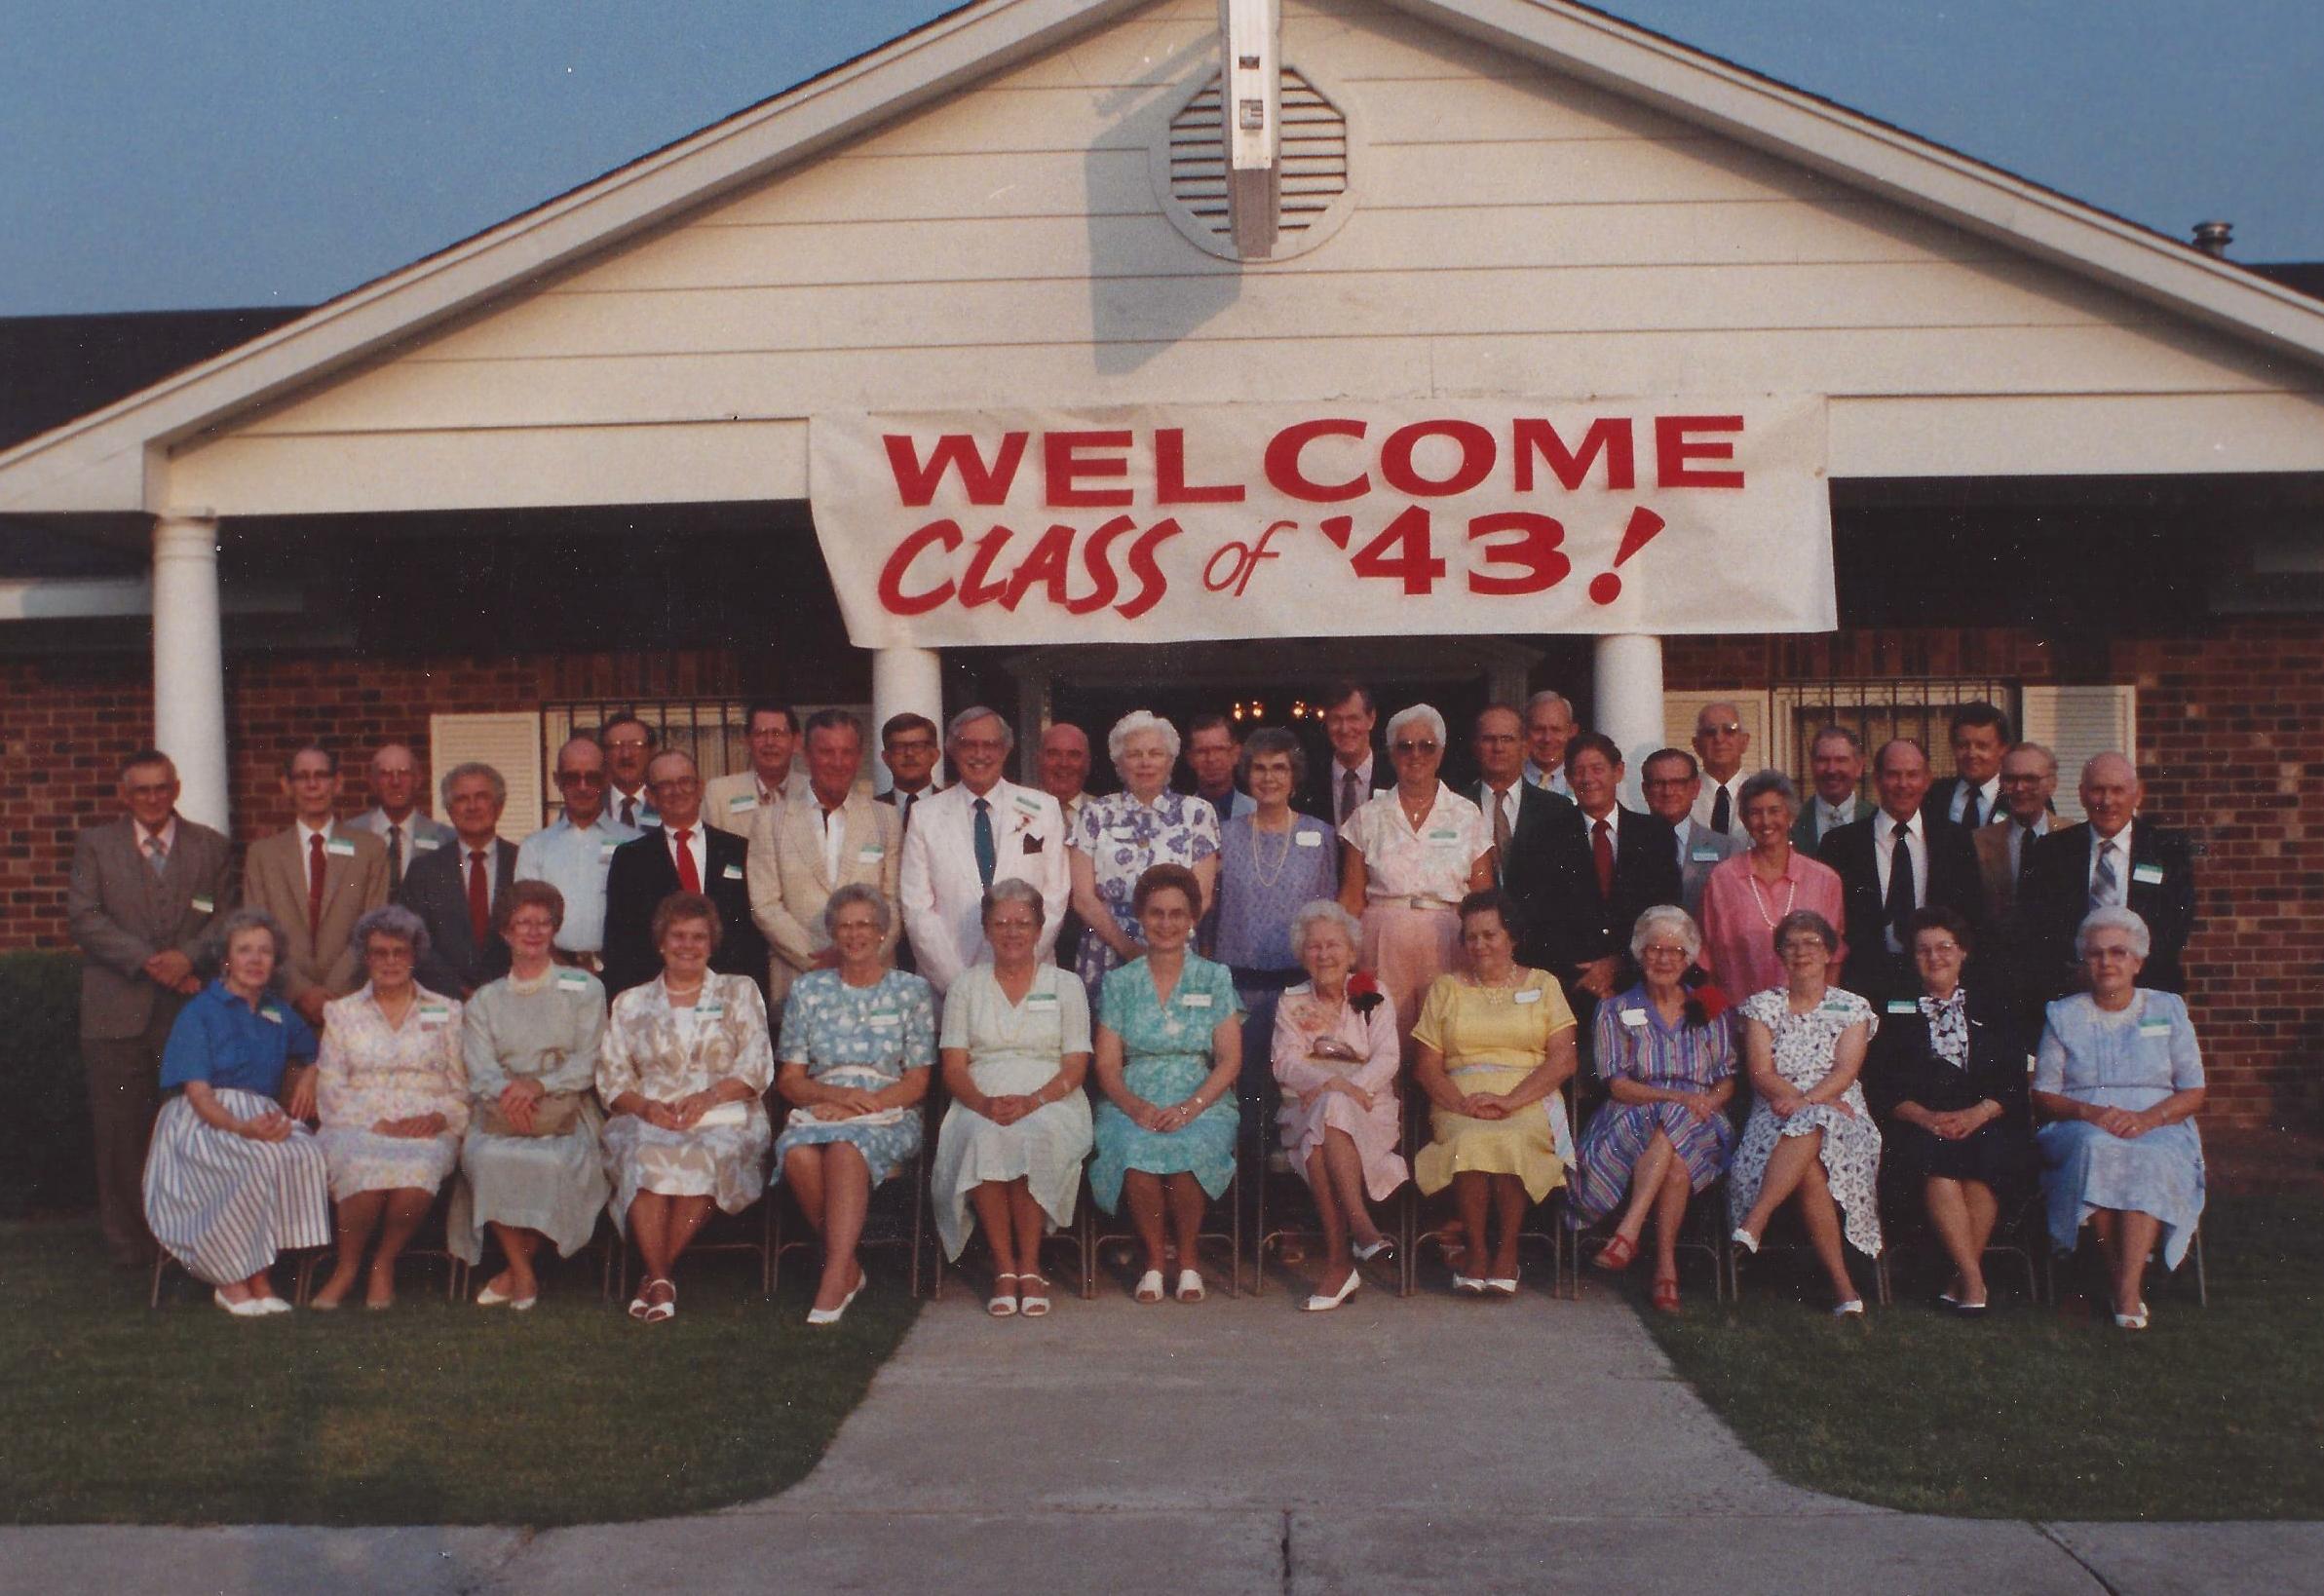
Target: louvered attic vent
[[1315, 161]]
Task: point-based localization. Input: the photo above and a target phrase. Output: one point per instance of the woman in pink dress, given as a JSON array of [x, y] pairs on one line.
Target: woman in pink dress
[[1334, 1054], [1747, 895], [1407, 858]]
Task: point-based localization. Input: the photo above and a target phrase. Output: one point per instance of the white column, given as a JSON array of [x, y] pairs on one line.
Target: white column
[[904, 680], [189, 666], [1628, 668]]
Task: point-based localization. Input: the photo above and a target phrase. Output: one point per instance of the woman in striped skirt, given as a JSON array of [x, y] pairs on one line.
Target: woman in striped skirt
[[231, 1179]]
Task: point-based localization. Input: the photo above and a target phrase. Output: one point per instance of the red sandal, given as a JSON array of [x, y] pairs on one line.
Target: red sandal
[[1665, 1296], [1615, 1255]]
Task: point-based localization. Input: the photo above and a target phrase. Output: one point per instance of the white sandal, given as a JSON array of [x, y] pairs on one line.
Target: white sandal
[[1149, 1288], [1190, 1286], [1033, 1304], [1001, 1305]]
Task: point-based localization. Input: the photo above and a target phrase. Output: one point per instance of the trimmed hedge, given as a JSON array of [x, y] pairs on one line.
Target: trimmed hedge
[[46, 1156]]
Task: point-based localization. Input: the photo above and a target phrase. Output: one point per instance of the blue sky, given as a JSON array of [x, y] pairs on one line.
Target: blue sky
[[248, 152]]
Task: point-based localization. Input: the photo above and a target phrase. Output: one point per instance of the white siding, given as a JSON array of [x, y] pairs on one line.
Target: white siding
[[1515, 232]]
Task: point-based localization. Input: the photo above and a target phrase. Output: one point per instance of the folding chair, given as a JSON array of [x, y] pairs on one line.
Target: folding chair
[[1262, 1238], [439, 1213], [1230, 1199], [908, 1229], [2084, 1245], [1703, 1228], [1564, 1249], [302, 1260], [1776, 1242], [720, 1232], [1078, 1238]]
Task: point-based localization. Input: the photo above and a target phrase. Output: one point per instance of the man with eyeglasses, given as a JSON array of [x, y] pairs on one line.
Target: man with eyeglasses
[[2005, 853], [1520, 814], [680, 855], [629, 745], [909, 749], [1671, 782], [1720, 743], [317, 878], [734, 803], [394, 816], [574, 853], [979, 831]]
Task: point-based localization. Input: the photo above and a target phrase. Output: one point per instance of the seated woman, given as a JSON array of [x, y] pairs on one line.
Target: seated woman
[[681, 1069], [393, 1092], [1494, 1042], [1335, 1054], [857, 1044], [2121, 1078], [1015, 1049], [1810, 1134], [1947, 1081], [1169, 1044], [231, 1179], [1668, 1063], [535, 1172]]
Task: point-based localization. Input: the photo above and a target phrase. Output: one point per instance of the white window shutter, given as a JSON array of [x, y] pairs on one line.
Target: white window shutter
[[2075, 723], [510, 743]]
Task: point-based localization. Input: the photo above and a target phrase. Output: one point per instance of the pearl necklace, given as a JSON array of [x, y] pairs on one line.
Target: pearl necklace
[[1268, 877], [1791, 891]]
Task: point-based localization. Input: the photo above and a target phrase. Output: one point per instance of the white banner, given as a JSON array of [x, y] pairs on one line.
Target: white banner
[[1161, 524]]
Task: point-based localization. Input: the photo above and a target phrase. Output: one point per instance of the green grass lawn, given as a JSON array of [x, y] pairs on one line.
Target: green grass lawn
[[433, 1413], [2037, 1412]]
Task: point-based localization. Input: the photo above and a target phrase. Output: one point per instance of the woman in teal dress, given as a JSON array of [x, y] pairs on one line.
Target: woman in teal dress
[[857, 1044], [1170, 1043]]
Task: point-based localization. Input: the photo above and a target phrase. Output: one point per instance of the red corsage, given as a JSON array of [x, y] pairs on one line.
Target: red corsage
[[1363, 992], [1705, 1003]]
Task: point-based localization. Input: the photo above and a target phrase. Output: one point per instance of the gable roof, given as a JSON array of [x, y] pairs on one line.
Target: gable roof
[[100, 461]]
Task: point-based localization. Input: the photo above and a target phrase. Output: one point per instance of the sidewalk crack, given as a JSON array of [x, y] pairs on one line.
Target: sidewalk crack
[[2082, 1562], [1285, 1553]]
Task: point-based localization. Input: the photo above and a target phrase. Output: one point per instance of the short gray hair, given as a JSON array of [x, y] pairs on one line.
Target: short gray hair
[[391, 920], [473, 767], [1545, 696], [1010, 890], [1421, 712], [1767, 781], [211, 955], [858, 892], [1854, 743], [1131, 725], [976, 712], [1665, 917], [2112, 918], [1323, 911], [1272, 739], [1809, 921]]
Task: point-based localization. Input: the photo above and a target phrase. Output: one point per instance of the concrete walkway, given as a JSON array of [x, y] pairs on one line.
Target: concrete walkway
[[1415, 1446]]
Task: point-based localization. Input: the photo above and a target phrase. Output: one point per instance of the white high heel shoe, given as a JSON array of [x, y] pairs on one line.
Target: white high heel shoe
[[1321, 1304], [830, 1316]]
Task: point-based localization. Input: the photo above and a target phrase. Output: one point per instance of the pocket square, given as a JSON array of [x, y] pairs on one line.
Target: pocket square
[[1032, 843]]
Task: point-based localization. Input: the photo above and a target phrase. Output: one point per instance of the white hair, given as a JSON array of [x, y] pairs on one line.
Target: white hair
[[1665, 917], [1323, 912], [1424, 714], [974, 713], [1545, 696], [2112, 918], [1131, 725]]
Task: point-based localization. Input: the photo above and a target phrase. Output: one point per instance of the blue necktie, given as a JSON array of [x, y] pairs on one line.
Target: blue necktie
[[987, 858]]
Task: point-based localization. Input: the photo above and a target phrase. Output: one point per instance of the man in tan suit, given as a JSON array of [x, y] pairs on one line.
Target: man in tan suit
[[734, 803], [805, 849], [2028, 776], [145, 889], [317, 878]]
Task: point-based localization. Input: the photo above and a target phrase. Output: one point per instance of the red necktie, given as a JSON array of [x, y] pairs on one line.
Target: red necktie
[[1601, 847], [689, 877], [315, 869], [479, 897]]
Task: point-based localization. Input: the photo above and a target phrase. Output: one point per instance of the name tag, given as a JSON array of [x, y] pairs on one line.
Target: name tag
[[886, 1021], [1197, 1000], [1903, 1005], [1026, 804], [572, 980], [1533, 994], [1705, 855], [423, 845], [204, 905], [2146, 875], [605, 851], [271, 1015], [1635, 1018], [1443, 839], [1041, 1000], [434, 1015], [1124, 833], [711, 1010], [733, 872], [1307, 839], [742, 803], [870, 855], [1832, 1006], [340, 847], [2154, 1028]]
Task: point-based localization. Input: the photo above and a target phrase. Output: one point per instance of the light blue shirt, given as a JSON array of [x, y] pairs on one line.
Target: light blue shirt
[[1554, 781], [575, 861]]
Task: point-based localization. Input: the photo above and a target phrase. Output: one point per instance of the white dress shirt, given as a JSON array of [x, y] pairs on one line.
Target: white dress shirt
[[1363, 786], [1989, 795], [2121, 842], [695, 846], [2017, 842], [1613, 831], [1884, 855], [1709, 795]]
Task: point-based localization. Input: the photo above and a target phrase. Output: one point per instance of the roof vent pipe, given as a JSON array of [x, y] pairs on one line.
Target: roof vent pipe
[[2214, 237]]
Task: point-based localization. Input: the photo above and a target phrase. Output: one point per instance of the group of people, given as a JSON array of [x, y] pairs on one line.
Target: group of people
[[609, 1017]]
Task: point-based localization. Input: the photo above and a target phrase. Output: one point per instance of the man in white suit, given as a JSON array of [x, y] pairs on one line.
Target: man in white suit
[[805, 849], [1672, 780], [979, 831]]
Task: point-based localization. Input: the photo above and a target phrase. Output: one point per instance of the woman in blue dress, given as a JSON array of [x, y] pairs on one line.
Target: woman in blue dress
[[2121, 1078], [1169, 1045], [857, 1044], [1272, 863]]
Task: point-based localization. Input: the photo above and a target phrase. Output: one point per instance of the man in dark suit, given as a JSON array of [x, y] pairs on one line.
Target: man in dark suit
[[1521, 816], [144, 890], [1356, 771], [455, 889], [2114, 860], [1608, 866], [679, 854], [1879, 898], [1836, 767], [909, 748], [1971, 797]]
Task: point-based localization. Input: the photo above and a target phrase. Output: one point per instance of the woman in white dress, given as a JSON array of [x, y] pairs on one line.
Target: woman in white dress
[[1810, 1135], [1015, 1049]]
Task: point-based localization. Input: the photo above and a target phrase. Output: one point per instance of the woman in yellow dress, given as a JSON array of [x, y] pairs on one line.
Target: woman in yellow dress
[[1492, 1042]]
